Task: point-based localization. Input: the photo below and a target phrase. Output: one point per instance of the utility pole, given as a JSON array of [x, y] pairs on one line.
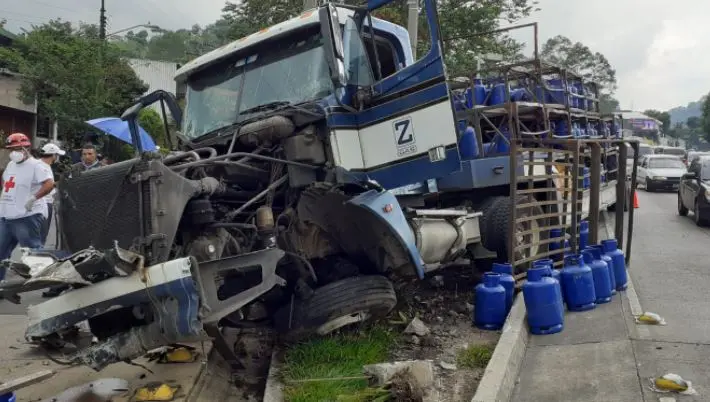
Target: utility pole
[[102, 21], [309, 4], [413, 24]]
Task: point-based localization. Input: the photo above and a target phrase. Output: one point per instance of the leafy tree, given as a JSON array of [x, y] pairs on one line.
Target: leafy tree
[[461, 21], [151, 121], [608, 104], [664, 117], [74, 75], [693, 122], [580, 58]]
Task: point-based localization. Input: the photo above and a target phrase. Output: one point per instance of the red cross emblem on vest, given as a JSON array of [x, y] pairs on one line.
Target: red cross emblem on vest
[[10, 184]]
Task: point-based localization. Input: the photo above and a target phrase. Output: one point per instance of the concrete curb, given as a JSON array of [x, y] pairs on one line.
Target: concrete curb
[[501, 374], [273, 390]]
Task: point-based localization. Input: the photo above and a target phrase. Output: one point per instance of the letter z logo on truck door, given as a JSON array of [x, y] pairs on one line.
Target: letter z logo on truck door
[[404, 136]]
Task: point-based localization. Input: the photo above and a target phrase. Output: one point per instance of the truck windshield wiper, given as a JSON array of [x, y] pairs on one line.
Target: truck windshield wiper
[[265, 106]]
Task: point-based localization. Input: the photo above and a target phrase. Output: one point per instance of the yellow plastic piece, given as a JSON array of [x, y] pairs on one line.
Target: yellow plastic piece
[[671, 384], [179, 355], [156, 393]]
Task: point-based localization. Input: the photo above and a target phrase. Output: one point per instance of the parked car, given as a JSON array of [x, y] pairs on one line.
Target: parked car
[[661, 172], [693, 194]]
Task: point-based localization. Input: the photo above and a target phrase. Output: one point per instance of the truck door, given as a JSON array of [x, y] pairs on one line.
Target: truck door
[[402, 131]]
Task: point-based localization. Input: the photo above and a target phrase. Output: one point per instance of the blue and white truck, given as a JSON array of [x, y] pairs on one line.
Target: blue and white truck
[[318, 162]]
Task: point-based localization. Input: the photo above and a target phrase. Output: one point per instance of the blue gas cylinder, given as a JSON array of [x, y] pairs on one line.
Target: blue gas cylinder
[[556, 94], [562, 128], [610, 265], [490, 307], [468, 146], [479, 92], [554, 246], [9, 397], [578, 284], [583, 235], [540, 94], [586, 182], [518, 95], [600, 275], [497, 96], [543, 303], [507, 281], [617, 258], [549, 264]]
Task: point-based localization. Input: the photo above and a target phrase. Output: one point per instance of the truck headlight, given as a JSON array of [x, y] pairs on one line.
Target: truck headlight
[[658, 178]]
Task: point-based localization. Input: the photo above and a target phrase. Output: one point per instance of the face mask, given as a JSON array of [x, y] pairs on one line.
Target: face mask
[[17, 156]]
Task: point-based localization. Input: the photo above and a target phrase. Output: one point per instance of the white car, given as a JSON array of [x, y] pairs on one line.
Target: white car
[[661, 172]]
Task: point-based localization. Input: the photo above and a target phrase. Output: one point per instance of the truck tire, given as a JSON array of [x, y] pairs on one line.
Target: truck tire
[[336, 305], [495, 235]]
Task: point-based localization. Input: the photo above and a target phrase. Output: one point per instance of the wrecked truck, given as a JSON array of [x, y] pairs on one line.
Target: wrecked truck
[[316, 161]]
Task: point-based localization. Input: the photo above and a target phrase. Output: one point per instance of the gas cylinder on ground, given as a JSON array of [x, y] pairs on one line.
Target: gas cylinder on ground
[[578, 284], [600, 273], [583, 235], [548, 264], [489, 309], [507, 281], [619, 262], [9, 397], [609, 264], [542, 302]]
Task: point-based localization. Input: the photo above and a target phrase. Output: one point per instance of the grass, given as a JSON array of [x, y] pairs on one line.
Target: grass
[[336, 356], [475, 356]]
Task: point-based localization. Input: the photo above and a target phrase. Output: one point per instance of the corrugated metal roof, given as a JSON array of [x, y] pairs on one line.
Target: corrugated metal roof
[[156, 74]]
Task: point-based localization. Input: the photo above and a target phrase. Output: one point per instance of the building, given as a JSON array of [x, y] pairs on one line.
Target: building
[[157, 75], [15, 114]]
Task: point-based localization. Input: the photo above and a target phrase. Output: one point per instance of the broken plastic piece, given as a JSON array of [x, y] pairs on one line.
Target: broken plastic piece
[[650, 319], [156, 392], [672, 383]]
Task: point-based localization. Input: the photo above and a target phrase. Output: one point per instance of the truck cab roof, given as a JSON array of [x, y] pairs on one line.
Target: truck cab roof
[[305, 19]]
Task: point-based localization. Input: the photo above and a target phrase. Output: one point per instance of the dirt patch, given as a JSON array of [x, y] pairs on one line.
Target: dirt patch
[[444, 304]]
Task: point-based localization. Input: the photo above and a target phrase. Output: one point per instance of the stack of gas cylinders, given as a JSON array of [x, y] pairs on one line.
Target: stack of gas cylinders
[[586, 279], [492, 92]]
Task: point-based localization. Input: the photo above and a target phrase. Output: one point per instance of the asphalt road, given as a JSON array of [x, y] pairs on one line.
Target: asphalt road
[[670, 269]]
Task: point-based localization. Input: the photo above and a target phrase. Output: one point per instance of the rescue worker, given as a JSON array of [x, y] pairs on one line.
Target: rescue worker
[[49, 154], [25, 182]]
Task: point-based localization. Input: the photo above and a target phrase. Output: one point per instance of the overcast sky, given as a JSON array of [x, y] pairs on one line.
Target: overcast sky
[[660, 49]]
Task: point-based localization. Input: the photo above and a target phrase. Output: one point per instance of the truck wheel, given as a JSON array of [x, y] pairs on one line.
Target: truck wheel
[[497, 230], [337, 305]]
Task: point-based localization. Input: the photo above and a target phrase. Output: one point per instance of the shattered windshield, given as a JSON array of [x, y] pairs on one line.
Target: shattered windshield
[[292, 69]]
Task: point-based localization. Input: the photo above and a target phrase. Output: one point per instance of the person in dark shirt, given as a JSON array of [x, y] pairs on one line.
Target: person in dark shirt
[[89, 160]]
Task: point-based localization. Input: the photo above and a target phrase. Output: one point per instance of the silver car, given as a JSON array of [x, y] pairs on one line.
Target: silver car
[[661, 172]]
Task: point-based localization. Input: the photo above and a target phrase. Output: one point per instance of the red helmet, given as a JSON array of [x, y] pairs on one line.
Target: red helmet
[[17, 140]]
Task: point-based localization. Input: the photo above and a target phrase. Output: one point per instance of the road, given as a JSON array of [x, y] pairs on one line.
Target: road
[[670, 269]]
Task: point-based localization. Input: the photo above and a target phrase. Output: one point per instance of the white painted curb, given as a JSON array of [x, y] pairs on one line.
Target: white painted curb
[[501, 373]]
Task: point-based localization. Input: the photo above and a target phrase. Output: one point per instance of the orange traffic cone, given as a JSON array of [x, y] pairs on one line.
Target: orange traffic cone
[[636, 199]]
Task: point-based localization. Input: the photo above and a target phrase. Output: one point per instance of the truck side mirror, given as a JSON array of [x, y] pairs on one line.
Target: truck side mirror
[[333, 46]]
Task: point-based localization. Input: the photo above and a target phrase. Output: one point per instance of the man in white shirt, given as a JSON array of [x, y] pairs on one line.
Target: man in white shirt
[[24, 182], [49, 154]]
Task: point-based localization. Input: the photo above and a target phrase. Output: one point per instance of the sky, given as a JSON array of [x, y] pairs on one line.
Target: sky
[[661, 53]]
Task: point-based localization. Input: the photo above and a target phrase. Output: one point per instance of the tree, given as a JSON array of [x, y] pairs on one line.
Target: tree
[[592, 66], [706, 118], [608, 104], [664, 117], [151, 121], [461, 21], [693, 122], [74, 75]]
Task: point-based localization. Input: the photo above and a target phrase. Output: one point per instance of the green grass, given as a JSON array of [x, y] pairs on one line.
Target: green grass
[[475, 356], [336, 356]]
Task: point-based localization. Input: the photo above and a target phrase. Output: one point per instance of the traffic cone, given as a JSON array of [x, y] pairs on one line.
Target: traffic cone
[[636, 199]]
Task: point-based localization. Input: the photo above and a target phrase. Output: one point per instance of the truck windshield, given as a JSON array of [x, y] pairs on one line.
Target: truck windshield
[[290, 70]]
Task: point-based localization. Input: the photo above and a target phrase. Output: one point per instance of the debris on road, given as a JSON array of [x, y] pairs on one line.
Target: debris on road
[[672, 383], [649, 318], [413, 379], [417, 327], [156, 392], [104, 389]]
